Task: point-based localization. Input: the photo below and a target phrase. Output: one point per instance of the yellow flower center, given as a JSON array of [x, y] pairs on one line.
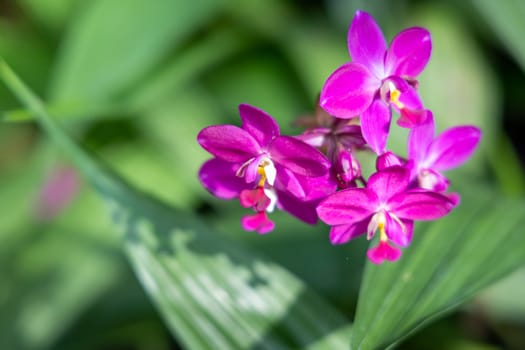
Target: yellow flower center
[[260, 171], [394, 96], [382, 232], [267, 171]]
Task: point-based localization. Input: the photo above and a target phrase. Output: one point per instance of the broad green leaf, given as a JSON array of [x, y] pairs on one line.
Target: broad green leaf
[[506, 19], [113, 43], [212, 293], [448, 261]]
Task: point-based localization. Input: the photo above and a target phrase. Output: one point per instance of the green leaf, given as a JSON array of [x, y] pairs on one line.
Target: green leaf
[[212, 293], [506, 19], [448, 261], [113, 43]]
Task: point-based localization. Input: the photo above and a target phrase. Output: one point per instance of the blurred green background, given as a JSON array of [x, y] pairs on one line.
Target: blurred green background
[[135, 80]]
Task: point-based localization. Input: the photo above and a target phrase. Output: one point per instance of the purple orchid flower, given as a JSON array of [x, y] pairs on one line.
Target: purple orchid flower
[[378, 78], [429, 156], [265, 156], [385, 205], [257, 165]]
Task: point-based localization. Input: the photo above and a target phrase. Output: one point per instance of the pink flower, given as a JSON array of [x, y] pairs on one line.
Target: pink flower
[[385, 205], [264, 169], [377, 78]]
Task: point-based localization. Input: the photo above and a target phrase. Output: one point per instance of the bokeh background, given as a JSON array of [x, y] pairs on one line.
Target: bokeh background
[[135, 80]]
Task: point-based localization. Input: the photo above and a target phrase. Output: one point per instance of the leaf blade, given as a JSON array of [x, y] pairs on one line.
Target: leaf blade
[[437, 274]]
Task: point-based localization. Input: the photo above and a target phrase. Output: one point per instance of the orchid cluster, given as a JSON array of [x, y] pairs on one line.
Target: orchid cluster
[[317, 174]]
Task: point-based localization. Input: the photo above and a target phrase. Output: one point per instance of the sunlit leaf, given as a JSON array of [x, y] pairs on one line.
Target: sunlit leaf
[[212, 293], [449, 261]]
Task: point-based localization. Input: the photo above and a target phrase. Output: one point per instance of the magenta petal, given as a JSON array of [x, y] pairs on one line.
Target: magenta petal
[[366, 43], [298, 156], [409, 52], [375, 125], [399, 231], [341, 234], [218, 177], [411, 100], [383, 251], [420, 138], [420, 205], [389, 181], [348, 91], [301, 209], [259, 124], [228, 142], [258, 222], [453, 147], [348, 206], [318, 187], [287, 181]]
